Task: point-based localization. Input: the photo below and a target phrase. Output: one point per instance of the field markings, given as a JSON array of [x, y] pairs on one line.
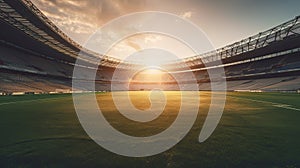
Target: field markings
[[278, 105], [26, 101]]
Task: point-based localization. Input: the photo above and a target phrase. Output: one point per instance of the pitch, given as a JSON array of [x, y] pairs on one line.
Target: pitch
[[256, 130]]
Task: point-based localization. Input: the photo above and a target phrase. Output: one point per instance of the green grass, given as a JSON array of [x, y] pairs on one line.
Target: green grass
[[44, 131]]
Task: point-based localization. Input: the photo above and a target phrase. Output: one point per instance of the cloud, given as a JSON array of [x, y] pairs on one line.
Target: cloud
[[187, 15], [80, 18], [133, 45]]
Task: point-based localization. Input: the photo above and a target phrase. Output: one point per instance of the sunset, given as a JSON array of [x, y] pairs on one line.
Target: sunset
[[148, 83]]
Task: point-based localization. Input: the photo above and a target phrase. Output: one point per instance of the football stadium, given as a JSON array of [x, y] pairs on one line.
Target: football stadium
[[258, 78]]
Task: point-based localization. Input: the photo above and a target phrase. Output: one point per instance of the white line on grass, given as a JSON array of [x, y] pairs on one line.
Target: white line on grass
[[279, 105]]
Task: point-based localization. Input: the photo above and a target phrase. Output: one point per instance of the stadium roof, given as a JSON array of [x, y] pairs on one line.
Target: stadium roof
[[26, 17]]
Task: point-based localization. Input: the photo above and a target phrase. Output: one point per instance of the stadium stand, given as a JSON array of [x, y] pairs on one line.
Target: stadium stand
[[37, 57]]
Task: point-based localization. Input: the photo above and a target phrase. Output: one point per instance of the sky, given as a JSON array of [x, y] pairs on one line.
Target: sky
[[223, 22]]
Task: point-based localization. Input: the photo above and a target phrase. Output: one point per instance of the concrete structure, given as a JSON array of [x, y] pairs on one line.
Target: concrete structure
[[38, 57]]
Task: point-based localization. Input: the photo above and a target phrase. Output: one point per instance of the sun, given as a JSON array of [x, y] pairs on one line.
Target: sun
[[151, 70], [150, 74]]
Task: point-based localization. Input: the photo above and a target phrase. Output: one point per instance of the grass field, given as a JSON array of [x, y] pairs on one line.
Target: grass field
[[256, 130]]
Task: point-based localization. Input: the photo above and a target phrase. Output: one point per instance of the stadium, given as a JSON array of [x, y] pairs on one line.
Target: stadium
[[259, 127]]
